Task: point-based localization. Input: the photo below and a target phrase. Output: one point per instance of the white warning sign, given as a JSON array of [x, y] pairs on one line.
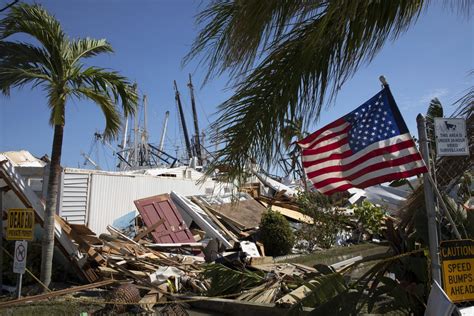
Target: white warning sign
[[451, 137]]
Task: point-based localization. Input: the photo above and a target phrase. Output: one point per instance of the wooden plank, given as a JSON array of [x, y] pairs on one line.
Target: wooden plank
[[230, 234], [224, 306], [199, 217], [40, 297], [149, 230]]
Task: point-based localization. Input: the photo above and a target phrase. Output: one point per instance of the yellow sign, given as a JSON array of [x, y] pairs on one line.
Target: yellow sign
[[458, 269], [20, 223]]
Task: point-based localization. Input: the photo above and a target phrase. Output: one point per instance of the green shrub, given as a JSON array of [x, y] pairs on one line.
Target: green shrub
[[370, 216], [328, 219], [276, 234]]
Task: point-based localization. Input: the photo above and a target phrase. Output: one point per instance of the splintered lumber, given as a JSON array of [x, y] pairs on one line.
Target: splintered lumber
[[199, 203], [149, 230], [176, 245], [294, 297], [55, 293], [292, 214]]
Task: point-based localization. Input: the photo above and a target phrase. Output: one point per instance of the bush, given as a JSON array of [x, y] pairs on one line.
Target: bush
[[370, 216], [276, 234], [328, 219]]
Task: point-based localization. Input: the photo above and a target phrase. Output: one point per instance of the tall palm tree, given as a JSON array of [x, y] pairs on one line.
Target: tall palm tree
[[287, 58], [56, 66]]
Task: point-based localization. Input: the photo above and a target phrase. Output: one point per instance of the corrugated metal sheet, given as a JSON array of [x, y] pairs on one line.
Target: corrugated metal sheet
[[112, 196], [74, 197]]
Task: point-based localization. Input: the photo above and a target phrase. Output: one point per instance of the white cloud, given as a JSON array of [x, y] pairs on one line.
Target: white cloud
[[436, 93]]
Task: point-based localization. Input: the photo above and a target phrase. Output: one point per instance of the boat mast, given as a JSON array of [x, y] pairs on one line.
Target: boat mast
[[197, 142], [183, 122], [163, 133]]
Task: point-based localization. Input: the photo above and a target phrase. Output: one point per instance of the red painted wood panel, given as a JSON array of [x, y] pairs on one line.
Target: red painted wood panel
[[174, 229]]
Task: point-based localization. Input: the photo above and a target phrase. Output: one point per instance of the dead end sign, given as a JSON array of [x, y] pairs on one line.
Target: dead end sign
[[20, 224], [458, 269]]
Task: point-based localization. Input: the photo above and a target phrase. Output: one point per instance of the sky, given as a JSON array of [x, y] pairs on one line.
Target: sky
[[150, 39]]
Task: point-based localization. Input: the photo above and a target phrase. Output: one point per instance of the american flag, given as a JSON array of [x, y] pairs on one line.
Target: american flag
[[368, 146]]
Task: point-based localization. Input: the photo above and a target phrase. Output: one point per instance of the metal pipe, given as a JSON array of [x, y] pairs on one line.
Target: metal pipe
[[429, 202], [163, 133]]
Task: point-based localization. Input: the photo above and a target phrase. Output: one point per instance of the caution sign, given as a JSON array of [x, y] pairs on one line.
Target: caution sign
[[458, 269], [20, 223], [451, 137]]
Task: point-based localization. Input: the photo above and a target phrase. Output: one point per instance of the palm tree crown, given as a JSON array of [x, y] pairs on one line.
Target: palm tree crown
[[56, 66]]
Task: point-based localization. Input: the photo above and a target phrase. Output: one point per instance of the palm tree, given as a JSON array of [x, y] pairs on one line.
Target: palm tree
[[286, 59], [56, 66]]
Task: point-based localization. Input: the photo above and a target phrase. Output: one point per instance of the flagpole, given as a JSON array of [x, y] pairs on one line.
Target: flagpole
[[429, 201]]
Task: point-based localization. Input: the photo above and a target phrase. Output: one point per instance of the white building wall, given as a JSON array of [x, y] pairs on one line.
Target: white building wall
[[112, 196]]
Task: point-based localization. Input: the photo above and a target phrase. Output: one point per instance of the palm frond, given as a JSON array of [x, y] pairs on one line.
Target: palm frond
[[101, 98], [465, 104], [115, 85], [35, 21], [300, 70], [88, 47], [17, 77], [238, 32], [227, 281]]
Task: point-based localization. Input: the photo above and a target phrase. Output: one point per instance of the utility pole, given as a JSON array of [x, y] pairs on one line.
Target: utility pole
[[163, 133], [196, 126], [429, 201], [183, 121]]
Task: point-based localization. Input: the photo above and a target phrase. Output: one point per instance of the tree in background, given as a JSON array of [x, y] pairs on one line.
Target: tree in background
[[56, 65], [287, 58]]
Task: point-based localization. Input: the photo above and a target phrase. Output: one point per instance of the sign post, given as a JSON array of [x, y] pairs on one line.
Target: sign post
[[19, 261], [451, 137], [458, 269], [429, 201]]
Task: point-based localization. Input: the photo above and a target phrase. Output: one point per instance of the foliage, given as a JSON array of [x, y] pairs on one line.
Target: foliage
[[276, 234], [328, 220], [435, 109], [398, 281], [56, 64], [284, 64], [370, 216], [227, 281]]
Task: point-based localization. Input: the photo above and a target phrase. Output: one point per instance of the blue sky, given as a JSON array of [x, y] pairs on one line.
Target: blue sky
[[151, 37]]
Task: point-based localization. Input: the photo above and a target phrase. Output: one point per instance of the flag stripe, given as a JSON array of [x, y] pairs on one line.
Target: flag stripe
[[367, 146], [390, 145], [374, 174], [329, 178], [329, 137], [394, 151], [308, 141], [380, 179]]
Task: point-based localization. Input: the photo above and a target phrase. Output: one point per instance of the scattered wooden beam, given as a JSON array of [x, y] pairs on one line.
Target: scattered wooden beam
[[149, 230], [55, 293]]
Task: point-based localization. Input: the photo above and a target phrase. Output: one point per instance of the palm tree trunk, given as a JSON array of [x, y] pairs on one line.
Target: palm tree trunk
[[51, 202]]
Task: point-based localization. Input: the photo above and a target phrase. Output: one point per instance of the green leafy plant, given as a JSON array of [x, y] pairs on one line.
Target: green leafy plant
[[328, 220], [276, 234], [370, 216]]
